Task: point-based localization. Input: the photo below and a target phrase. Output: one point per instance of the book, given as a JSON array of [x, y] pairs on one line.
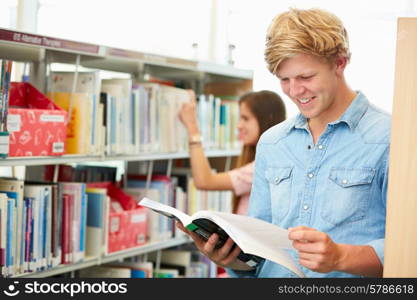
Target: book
[[252, 235], [78, 128], [13, 188], [96, 203], [79, 94]]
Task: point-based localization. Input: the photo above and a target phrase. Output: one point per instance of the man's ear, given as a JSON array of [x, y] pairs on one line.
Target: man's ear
[[340, 64]]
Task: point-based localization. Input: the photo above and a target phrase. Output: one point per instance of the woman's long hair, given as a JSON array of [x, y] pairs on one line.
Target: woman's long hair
[[269, 110]]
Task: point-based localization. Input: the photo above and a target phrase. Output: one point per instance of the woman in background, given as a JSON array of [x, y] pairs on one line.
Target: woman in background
[[258, 111]]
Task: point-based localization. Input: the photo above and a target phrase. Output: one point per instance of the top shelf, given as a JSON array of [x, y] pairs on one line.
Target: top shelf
[[27, 47]]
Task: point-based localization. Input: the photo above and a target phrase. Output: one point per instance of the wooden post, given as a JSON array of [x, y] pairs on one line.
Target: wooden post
[[401, 227]]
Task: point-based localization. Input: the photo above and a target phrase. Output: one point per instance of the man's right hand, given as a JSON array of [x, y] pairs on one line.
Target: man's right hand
[[224, 257]]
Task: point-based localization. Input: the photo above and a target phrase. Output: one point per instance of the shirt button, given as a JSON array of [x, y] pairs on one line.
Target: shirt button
[[320, 147], [305, 207], [277, 180], [310, 175], [344, 181]]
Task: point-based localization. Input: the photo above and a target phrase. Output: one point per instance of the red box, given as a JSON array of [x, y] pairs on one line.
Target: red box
[[127, 229], [127, 219], [37, 126]]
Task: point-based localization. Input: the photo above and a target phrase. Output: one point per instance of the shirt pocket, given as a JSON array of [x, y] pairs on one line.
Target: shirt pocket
[[348, 195], [280, 180]]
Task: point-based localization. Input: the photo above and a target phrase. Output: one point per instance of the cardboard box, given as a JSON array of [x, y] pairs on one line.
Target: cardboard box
[[36, 125]]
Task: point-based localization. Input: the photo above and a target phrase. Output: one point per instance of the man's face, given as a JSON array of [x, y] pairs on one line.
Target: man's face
[[312, 84]]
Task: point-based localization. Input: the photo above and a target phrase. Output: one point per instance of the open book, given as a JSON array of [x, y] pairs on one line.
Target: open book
[[256, 238]]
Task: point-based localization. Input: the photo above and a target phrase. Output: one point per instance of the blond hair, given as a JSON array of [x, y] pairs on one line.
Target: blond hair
[[312, 31]]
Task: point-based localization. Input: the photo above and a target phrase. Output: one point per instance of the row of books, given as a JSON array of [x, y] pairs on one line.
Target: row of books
[[178, 191], [119, 116], [5, 76], [46, 224], [218, 120], [41, 225]]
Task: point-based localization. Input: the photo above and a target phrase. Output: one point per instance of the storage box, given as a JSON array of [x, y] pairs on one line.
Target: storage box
[[127, 229], [127, 225], [36, 125]]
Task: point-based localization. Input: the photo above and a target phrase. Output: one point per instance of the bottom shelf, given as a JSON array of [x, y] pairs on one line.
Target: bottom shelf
[[93, 261]]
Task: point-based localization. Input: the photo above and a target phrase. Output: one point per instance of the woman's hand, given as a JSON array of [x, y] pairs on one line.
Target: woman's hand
[[188, 115]]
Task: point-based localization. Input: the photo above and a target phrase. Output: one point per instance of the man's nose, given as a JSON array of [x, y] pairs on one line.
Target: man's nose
[[296, 89]]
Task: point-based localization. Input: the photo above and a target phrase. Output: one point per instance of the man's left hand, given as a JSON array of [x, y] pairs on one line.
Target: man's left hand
[[316, 249]]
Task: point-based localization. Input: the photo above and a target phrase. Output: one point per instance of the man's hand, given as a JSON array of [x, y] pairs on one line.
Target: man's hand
[[316, 249], [224, 257]]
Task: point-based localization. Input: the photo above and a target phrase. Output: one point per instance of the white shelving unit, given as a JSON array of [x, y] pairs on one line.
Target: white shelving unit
[[40, 51], [93, 261], [74, 158]]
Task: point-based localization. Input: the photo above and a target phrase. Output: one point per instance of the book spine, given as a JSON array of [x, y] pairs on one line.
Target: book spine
[[28, 233], [22, 251], [9, 258]]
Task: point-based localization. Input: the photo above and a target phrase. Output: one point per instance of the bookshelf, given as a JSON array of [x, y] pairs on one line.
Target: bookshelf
[[42, 51], [93, 261], [75, 158]]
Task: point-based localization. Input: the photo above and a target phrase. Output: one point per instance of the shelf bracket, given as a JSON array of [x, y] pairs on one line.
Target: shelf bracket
[[56, 173], [158, 261], [124, 183], [149, 174], [227, 163], [169, 168]]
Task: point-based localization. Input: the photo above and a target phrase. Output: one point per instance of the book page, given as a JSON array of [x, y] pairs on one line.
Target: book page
[[166, 210], [255, 237]]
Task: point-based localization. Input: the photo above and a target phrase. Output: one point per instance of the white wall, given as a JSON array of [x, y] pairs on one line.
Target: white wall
[[371, 26], [8, 10], [171, 27]]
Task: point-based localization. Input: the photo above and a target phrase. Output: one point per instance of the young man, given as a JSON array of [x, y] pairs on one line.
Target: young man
[[324, 173]]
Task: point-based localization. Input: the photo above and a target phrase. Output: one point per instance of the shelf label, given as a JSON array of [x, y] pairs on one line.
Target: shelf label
[[58, 147], [38, 40], [52, 118], [13, 123], [138, 218]]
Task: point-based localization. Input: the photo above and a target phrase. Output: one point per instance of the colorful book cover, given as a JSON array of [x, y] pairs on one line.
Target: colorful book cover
[[78, 126]]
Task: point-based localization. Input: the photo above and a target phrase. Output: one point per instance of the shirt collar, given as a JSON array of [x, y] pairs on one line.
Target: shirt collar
[[351, 116], [354, 112]]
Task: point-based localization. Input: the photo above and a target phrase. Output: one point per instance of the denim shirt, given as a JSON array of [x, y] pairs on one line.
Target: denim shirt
[[337, 186]]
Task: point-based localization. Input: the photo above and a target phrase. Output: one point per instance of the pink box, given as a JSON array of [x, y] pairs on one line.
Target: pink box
[[127, 229], [37, 126], [127, 225]]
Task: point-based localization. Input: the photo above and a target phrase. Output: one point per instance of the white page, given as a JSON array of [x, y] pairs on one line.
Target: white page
[[166, 210], [252, 235], [255, 237]]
